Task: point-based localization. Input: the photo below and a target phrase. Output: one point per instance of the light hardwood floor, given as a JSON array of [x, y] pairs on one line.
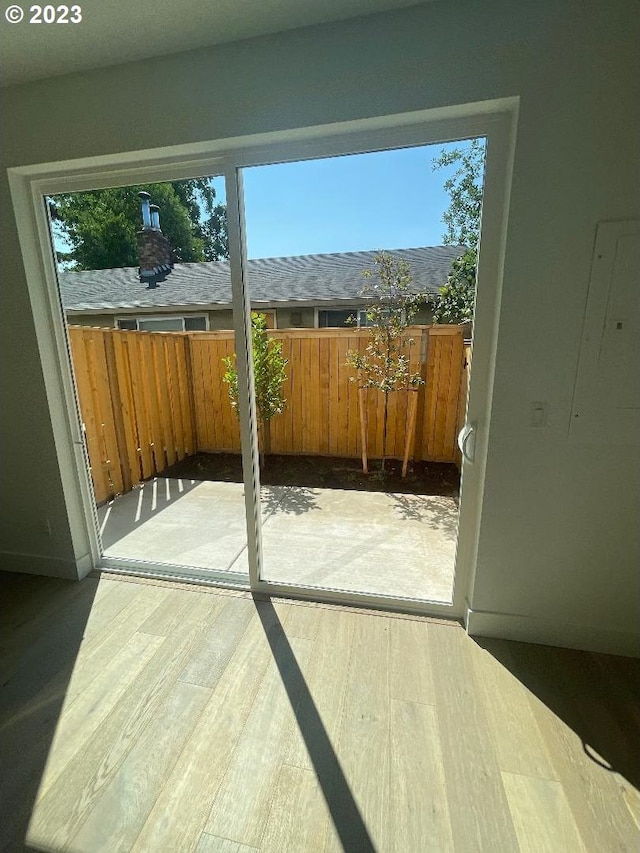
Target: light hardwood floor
[[141, 716]]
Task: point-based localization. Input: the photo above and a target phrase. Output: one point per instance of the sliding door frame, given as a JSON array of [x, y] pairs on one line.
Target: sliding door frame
[[494, 120]]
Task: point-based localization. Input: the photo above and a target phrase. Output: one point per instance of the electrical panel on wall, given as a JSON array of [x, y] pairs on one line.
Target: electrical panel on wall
[[606, 400]]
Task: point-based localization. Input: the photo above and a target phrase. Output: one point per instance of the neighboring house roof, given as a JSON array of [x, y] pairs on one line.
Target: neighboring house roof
[[304, 279]]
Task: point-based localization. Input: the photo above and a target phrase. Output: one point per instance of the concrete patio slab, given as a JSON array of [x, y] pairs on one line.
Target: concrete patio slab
[[388, 544], [184, 522]]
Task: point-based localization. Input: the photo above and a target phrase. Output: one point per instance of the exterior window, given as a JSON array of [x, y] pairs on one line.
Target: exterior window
[[193, 323], [126, 324], [160, 324], [339, 318], [336, 319]]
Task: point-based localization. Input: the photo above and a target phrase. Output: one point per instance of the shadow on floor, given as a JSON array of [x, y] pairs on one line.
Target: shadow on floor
[[42, 623], [346, 817], [596, 695]]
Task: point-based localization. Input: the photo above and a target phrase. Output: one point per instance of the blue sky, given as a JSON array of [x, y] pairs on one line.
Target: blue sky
[[383, 200]]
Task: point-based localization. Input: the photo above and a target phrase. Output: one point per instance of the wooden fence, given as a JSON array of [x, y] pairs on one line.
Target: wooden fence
[[136, 403], [149, 399]]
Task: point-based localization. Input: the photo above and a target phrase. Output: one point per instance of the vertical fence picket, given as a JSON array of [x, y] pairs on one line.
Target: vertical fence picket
[[223, 410], [292, 367], [88, 414], [431, 407], [310, 393], [143, 429], [150, 393], [453, 396], [123, 378], [160, 368], [323, 398], [422, 358], [441, 390], [112, 388], [188, 406], [198, 397], [174, 346], [351, 439], [209, 394], [223, 414], [101, 404]]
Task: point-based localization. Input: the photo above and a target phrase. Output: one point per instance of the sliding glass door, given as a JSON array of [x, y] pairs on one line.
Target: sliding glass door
[[322, 372], [356, 396], [148, 344]]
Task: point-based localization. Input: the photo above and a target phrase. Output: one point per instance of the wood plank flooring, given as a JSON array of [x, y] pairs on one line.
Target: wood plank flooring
[[145, 716]]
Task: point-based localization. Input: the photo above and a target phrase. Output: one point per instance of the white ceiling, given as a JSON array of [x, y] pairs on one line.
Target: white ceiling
[[116, 31]]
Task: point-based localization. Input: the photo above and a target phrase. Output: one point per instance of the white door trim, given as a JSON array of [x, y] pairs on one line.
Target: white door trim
[[496, 120]]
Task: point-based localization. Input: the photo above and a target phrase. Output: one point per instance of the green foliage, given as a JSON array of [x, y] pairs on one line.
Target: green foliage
[[215, 234], [385, 362], [455, 302], [101, 225], [269, 370], [462, 217]]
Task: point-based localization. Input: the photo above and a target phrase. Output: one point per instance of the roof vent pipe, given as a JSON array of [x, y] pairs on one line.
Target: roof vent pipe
[[146, 213], [155, 217]]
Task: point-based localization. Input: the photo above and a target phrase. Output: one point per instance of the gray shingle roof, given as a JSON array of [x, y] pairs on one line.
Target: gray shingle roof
[[302, 279]]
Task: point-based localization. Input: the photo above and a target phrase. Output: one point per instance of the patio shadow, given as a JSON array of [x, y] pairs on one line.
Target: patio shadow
[[437, 512], [290, 500], [121, 515]]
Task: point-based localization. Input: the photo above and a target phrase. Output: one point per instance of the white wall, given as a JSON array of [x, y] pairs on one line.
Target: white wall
[[558, 545]]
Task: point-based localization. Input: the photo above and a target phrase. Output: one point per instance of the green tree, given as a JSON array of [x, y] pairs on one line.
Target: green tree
[[216, 234], [385, 363], [100, 226], [456, 299], [269, 371]]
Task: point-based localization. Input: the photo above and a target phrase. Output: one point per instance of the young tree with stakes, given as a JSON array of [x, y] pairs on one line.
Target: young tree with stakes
[[385, 363]]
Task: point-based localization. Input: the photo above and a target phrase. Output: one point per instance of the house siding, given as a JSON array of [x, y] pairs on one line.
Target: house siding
[[220, 320], [100, 321], [286, 316]]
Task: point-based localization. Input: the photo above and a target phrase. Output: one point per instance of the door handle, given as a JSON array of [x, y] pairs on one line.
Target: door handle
[[464, 435]]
